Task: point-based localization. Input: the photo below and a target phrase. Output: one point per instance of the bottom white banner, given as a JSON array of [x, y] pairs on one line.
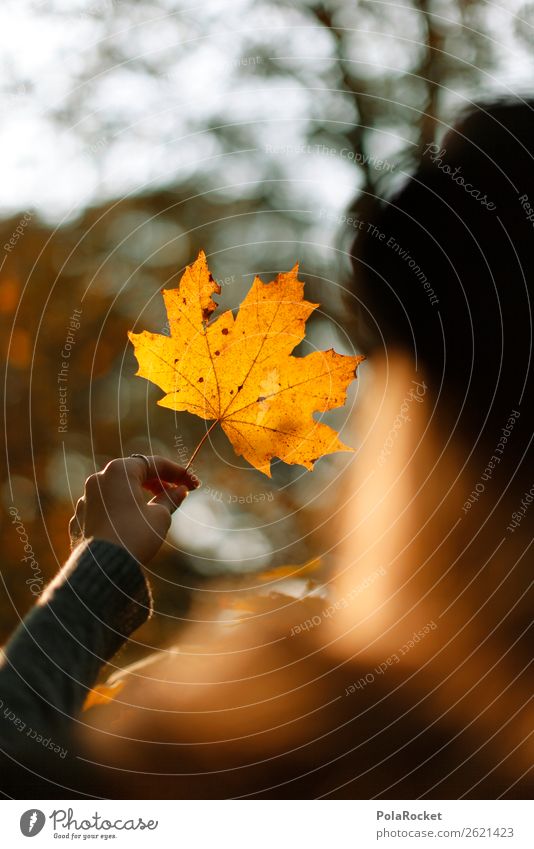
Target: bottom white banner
[[262, 824]]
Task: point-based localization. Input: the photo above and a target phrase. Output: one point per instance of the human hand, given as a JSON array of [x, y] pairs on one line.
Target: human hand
[[114, 505]]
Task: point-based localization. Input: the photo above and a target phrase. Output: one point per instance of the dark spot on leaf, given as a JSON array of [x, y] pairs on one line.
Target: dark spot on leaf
[[211, 277], [201, 380], [261, 398], [217, 353], [239, 388], [231, 391], [184, 301], [225, 331]]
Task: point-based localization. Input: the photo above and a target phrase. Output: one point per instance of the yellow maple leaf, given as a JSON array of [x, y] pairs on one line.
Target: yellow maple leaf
[[239, 371]]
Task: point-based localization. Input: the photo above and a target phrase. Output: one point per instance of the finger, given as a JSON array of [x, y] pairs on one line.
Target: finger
[[160, 520], [76, 523], [79, 512], [157, 485], [171, 497], [159, 470], [74, 529]]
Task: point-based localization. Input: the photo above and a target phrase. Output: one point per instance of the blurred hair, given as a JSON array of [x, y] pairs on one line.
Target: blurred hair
[[461, 224]]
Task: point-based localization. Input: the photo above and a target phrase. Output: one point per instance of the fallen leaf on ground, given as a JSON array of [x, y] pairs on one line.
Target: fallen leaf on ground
[[102, 694], [278, 573]]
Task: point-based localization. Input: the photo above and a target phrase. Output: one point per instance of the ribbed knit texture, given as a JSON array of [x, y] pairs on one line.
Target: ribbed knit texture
[[104, 581], [83, 617]]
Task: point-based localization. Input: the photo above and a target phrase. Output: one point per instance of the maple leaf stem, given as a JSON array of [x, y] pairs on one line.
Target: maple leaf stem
[[201, 443]]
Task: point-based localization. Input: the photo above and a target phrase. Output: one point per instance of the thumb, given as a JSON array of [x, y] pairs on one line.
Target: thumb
[[171, 497]]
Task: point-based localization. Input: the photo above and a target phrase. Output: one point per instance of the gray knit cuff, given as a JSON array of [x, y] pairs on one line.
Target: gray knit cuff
[[107, 584]]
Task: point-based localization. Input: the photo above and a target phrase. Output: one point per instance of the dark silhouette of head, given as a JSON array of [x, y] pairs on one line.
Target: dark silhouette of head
[[444, 268]]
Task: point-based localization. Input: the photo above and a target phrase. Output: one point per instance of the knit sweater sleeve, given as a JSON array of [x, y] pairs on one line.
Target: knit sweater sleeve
[[83, 617]]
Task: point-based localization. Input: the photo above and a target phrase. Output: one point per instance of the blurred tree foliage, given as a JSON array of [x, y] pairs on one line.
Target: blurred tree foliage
[[244, 130]]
